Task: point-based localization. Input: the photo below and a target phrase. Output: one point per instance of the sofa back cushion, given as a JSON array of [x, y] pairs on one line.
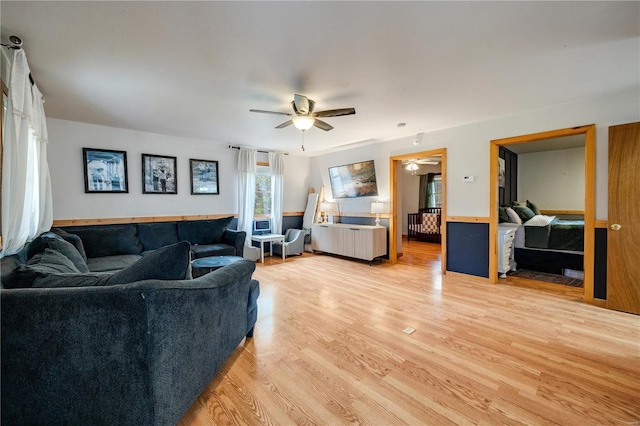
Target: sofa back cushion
[[109, 240], [156, 235], [203, 231], [56, 243]]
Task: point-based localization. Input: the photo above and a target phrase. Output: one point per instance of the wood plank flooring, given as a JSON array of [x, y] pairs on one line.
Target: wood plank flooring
[[329, 349]]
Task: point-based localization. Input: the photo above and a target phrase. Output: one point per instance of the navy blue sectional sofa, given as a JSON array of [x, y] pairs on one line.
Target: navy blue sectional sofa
[[132, 346]]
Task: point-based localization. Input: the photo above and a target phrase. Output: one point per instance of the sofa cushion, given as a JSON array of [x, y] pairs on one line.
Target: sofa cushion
[[109, 240], [156, 235], [112, 263], [73, 239], [205, 250], [167, 263], [55, 242], [203, 231], [40, 265]]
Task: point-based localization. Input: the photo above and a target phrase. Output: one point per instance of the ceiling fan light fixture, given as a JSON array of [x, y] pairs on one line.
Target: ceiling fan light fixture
[[303, 122], [412, 167]]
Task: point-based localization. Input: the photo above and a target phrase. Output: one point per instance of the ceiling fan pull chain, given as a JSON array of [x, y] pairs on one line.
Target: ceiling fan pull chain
[[303, 140]]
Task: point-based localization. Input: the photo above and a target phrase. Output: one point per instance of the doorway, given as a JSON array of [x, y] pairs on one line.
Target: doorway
[[589, 198], [395, 228]]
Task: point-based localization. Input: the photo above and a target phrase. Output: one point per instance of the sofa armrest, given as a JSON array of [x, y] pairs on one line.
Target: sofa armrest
[[236, 239], [143, 351]]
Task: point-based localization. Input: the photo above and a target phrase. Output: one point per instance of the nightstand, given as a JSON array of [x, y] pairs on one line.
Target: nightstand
[[506, 235]]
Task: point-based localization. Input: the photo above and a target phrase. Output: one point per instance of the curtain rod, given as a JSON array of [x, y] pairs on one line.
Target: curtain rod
[[263, 152], [16, 44]]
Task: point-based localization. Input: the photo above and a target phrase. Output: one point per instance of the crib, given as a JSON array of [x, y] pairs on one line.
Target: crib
[[425, 225]]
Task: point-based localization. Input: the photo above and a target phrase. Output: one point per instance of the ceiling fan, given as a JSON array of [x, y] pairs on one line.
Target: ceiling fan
[[304, 117], [412, 165]]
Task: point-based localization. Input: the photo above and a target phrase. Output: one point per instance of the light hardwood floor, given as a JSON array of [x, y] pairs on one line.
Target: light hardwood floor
[[329, 349]]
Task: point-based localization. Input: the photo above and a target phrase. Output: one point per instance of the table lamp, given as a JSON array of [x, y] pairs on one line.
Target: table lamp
[[377, 208]]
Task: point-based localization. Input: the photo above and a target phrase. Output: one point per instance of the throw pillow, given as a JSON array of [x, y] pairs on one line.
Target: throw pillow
[[73, 239], [167, 263], [524, 212], [513, 216], [40, 265], [533, 207], [55, 242]]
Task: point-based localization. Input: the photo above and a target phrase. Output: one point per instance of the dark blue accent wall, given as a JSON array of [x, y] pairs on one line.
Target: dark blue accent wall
[[468, 248], [600, 269]]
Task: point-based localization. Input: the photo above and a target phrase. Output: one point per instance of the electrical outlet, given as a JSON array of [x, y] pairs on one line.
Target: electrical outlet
[[409, 330]]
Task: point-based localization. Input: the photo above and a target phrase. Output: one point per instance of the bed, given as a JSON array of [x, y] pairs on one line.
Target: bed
[[425, 225], [549, 244]]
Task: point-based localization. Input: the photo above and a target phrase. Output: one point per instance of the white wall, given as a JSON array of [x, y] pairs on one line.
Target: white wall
[[553, 180], [468, 150], [67, 138]]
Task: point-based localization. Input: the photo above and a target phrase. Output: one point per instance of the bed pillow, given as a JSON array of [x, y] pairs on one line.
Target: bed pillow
[[533, 207], [502, 215], [524, 212], [513, 216], [539, 220]]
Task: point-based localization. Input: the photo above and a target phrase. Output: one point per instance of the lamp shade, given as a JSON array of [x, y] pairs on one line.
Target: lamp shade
[[303, 122], [325, 207], [377, 207]]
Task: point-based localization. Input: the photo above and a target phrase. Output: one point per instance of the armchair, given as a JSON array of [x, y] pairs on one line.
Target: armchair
[[293, 243]]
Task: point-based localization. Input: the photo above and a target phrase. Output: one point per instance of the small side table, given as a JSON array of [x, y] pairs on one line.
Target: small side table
[[270, 238], [204, 265]]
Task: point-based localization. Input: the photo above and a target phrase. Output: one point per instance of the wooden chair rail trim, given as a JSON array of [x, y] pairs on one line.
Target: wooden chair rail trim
[[552, 212], [601, 224], [472, 219], [146, 219]]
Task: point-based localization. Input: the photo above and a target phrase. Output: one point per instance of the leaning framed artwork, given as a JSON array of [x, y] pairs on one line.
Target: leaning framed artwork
[[159, 174], [204, 177], [105, 171]]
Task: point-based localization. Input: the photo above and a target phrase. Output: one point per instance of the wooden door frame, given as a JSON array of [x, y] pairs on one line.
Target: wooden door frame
[[589, 198], [393, 215]]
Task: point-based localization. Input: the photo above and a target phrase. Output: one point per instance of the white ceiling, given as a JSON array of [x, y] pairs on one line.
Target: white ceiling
[[194, 69]]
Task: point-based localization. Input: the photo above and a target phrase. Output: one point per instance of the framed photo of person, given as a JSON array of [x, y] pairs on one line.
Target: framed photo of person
[[204, 177], [105, 171], [159, 174]]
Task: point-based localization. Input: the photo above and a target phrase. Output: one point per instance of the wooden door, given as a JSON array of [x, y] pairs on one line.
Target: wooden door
[[623, 235]]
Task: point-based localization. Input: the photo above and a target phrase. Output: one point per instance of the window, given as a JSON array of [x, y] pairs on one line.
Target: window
[[436, 192], [263, 191]]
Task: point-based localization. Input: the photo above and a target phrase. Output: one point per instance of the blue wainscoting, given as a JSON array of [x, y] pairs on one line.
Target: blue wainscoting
[[468, 248], [600, 269]]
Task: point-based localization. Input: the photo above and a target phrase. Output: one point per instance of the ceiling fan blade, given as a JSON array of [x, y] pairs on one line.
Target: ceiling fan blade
[[322, 125], [285, 124], [261, 111], [335, 112], [301, 104]]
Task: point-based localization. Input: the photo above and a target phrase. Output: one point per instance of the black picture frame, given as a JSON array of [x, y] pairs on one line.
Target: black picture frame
[[159, 174], [105, 171], [354, 180], [204, 177]]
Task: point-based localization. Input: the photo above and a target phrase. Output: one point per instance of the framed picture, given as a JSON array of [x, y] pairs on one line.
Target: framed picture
[[159, 174], [502, 172], [354, 180], [204, 177], [105, 171]]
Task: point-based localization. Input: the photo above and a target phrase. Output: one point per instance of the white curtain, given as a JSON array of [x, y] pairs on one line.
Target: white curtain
[[26, 186], [246, 191], [276, 169]]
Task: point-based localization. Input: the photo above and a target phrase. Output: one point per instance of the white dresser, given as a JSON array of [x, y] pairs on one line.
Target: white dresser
[[359, 241], [506, 235]]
